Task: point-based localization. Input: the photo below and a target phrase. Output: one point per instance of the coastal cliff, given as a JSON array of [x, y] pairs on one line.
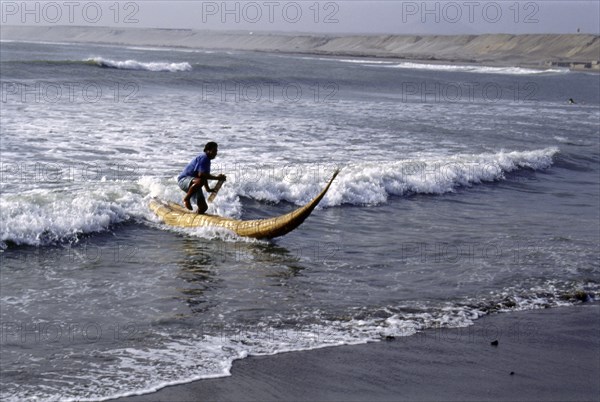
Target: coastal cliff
[[571, 50]]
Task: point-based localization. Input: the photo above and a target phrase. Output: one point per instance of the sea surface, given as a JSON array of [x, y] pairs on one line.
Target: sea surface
[[464, 191]]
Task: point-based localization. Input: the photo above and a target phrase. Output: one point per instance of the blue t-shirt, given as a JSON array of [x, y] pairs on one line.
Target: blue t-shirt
[[200, 163]]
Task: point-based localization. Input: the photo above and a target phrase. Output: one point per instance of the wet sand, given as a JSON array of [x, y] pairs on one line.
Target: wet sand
[[541, 355]]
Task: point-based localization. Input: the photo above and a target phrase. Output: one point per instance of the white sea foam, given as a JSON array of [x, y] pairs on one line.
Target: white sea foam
[[41, 217], [372, 183], [181, 359], [352, 61], [365, 61], [475, 69], [45, 216], [138, 65]]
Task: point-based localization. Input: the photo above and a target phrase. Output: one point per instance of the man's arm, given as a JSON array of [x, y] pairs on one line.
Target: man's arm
[[207, 176]]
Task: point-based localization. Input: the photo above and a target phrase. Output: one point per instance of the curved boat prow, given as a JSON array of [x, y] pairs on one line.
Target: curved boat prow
[[281, 225], [176, 215]]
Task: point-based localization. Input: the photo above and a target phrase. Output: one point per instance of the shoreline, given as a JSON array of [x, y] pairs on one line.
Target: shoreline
[[579, 52], [545, 355]]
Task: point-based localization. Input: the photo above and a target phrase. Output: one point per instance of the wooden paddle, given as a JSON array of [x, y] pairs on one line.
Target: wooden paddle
[[212, 195]]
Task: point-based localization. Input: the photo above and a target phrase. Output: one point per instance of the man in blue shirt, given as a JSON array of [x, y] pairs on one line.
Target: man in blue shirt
[[196, 175]]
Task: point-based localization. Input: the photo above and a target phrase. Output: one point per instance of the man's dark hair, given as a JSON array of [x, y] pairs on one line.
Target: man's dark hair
[[210, 146]]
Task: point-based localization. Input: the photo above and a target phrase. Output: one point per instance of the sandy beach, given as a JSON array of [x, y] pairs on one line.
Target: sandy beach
[[542, 355], [578, 51]]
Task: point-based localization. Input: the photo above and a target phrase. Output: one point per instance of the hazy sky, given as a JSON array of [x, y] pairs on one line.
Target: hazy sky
[[345, 16]]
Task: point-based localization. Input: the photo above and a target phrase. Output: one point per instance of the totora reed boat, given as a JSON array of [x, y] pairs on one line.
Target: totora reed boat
[[175, 215]]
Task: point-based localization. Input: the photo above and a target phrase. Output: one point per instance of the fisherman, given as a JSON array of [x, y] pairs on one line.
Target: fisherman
[[196, 175]]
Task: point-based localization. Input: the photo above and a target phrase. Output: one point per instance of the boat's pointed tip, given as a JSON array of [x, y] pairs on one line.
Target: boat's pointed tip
[[336, 172]]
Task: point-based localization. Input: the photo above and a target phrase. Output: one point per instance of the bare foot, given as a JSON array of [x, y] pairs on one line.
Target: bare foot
[[187, 204]]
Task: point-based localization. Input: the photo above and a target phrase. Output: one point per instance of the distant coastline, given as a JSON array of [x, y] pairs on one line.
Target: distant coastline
[[576, 51]]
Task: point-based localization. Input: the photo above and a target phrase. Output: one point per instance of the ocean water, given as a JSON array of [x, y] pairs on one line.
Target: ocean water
[[464, 191]]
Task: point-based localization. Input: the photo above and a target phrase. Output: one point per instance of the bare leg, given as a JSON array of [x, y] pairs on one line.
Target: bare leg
[[202, 206], [196, 186]]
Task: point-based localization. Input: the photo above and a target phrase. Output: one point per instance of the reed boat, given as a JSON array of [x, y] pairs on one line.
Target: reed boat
[[176, 215]]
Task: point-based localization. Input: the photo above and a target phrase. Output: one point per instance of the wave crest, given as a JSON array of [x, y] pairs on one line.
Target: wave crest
[[372, 183], [41, 217], [138, 65], [476, 69]]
